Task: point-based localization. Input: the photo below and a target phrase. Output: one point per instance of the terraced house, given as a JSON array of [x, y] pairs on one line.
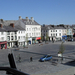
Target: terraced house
[[32, 29], [54, 32]]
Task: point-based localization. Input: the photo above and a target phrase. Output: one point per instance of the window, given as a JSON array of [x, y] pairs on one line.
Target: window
[[15, 32], [19, 37], [51, 34], [56, 34], [56, 30], [15, 37], [29, 34], [2, 33], [27, 29], [23, 36], [8, 33], [51, 30], [30, 29], [8, 38], [32, 34], [2, 38], [59, 34], [19, 31], [59, 30], [11, 37]]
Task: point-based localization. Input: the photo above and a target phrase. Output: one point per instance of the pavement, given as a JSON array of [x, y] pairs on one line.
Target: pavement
[[35, 67]]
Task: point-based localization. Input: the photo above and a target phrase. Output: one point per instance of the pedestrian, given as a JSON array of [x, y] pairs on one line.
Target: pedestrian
[[19, 58], [31, 59], [52, 40]]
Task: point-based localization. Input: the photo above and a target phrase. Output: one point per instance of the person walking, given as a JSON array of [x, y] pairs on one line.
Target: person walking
[[31, 59]]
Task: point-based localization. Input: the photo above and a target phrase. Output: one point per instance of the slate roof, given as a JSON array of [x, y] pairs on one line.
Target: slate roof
[[10, 28], [18, 27], [44, 27], [7, 22], [2, 29], [30, 22]]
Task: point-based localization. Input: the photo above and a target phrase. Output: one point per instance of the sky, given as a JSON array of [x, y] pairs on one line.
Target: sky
[[43, 11]]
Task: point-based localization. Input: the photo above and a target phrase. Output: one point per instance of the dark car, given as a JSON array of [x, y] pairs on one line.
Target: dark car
[[46, 58], [70, 39]]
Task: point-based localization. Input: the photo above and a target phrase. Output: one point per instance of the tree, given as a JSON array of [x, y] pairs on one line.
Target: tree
[[27, 39], [47, 38], [41, 37], [61, 48], [61, 51]]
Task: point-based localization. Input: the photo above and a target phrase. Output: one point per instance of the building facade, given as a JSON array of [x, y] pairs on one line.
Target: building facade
[[32, 29]]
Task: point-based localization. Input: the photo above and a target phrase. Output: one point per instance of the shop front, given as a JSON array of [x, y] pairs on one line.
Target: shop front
[[38, 39], [33, 40], [29, 41], [3, 45]]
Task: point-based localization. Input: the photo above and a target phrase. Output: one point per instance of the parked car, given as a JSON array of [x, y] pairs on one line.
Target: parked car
[[70, 39], [46, 58]]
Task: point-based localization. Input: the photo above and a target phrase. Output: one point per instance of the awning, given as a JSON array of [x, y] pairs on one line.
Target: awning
[[38, 38]]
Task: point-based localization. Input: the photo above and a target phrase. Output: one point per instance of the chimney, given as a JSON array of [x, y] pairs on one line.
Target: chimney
[[27, 19], [32, 19], [12, 24], [1, 25], [20, 17]]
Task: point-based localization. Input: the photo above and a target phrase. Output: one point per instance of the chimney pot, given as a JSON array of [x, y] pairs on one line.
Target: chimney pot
[[20, 17], [1, 25], [27, 19], [32, 19]]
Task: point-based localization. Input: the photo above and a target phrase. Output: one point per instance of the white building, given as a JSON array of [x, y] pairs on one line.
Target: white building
[[32, 29], [7, 36], [54, 32], [13, 35]]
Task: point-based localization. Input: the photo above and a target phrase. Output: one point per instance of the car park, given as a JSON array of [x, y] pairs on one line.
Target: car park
[[45, 58]]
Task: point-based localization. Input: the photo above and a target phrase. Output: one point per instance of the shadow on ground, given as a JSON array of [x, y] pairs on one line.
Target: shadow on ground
[[70, 63]]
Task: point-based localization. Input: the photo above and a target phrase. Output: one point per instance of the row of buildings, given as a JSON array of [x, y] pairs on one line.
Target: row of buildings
[[27, 31], [57, 32]]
